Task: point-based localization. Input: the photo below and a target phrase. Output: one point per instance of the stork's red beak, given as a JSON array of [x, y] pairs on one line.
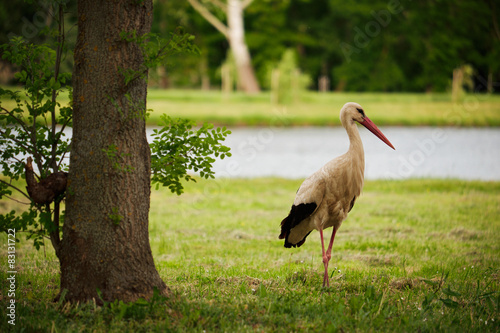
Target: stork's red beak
[[374, 129]]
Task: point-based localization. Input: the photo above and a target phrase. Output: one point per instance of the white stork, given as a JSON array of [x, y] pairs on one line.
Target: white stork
[[328, 195]]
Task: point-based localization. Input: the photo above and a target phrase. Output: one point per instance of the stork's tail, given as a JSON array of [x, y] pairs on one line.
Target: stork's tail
[[285, 227], [285, 232], [297, 214]]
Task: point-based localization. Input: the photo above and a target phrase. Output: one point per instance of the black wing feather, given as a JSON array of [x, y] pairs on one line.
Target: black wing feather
[[352, 203], [297, 214]]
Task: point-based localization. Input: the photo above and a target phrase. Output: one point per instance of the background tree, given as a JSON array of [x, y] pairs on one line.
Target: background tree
[[417, 49], [234, 32]]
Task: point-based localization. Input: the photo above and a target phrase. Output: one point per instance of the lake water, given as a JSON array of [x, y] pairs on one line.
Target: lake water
[[430, 152], [463, 153]]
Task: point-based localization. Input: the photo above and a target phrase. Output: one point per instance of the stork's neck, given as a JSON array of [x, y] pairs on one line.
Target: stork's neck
[[356, 146]]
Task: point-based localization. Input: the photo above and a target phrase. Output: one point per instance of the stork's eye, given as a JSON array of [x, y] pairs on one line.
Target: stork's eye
[[361, 111]]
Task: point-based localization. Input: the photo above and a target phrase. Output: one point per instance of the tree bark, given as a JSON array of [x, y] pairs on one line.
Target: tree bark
[[236, 36], [105, 250]]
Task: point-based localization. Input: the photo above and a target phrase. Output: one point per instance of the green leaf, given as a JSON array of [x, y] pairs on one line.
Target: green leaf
[[430, 282], [176, 149], [449, 303], [450, 292], [428, 300]]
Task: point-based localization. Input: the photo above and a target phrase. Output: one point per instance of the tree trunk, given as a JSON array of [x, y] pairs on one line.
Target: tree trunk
[[105, 251], [236, 35], [456, 85]]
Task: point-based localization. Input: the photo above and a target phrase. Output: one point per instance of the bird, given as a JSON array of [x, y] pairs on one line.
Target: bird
[[326, 197]]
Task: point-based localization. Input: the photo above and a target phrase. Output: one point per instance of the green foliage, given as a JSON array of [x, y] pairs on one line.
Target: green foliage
[[133, 109], [178, 148], [117, 159], [157, 50], [21, 222], [27, 127], [228, 74], [380, 75], [287, 81], [395, 45], [114, 216], [34, 126]]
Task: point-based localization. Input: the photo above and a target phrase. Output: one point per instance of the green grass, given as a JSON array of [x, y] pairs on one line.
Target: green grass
[[316, 109], [413, 256]]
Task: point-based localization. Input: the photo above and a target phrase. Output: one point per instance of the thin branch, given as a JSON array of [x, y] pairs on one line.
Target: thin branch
[[66, 123], [32, 132], [162, 52], [60, 43], [62, 159], [60, 132], [65, 150], [23, 125], [210, 17], [17, 189], [494, 19], [19, 142], [18, 201], [246, 3], [54, 235], [222, 6]]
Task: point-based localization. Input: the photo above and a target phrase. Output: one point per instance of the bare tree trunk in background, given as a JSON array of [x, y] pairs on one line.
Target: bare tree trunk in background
[[205, 79], [105, 251], [235, 34], [456, 85], [163, 81]]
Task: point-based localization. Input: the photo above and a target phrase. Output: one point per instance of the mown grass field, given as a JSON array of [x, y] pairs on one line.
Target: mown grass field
[[413, 256], [317, 109]]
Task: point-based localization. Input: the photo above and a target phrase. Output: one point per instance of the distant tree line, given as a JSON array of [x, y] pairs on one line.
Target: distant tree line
[[364, 45]]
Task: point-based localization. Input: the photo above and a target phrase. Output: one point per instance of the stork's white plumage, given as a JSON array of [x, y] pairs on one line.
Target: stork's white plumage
[[328, 195]]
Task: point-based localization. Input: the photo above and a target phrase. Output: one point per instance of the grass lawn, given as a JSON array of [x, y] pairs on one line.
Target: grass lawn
[[413, 256], [312, 108], [316, 109]]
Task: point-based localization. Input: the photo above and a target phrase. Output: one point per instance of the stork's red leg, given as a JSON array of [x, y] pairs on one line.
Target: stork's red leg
[[329, 250], [327, 255], [326, 282]]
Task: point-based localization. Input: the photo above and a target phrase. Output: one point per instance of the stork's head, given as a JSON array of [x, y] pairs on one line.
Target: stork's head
[[351, 112]]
